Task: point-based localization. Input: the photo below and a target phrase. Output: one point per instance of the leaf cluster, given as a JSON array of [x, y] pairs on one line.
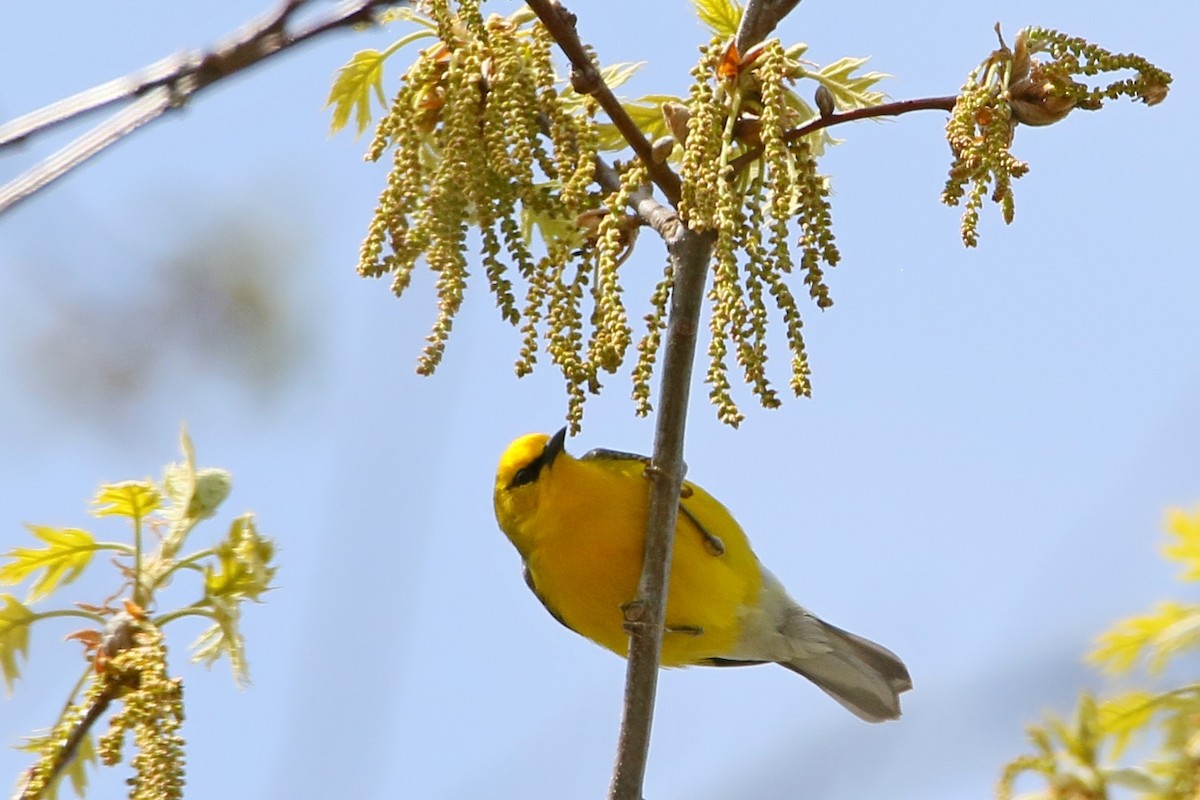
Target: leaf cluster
[[1081, 757], [124, 644]]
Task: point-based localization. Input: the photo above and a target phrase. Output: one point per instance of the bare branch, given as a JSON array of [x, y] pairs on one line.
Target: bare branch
[[163, 86], [145, 109], [18, 130], [882, 110], [759, 19], [586, 79]]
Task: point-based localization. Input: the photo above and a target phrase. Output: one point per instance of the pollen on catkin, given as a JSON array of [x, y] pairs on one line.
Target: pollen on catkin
[[1011, 88], [762, 212]]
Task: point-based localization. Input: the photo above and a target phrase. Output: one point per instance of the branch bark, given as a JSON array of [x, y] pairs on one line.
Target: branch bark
[[882, 110], [166, 85], [66, 754], [759, 19], [689, 253], [586, 79]]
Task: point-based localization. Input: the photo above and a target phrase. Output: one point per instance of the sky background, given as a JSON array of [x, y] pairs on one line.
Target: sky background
[[978, 481]]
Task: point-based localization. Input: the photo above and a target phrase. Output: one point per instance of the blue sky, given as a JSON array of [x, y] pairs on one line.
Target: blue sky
[[978, 481]]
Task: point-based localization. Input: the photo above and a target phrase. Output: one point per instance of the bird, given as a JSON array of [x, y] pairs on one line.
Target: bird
[[579, 527]]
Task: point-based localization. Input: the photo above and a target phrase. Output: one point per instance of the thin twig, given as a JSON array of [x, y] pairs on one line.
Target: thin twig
[[163, 86], [586, 79], [119, 635], [66, 753], [882, 110]]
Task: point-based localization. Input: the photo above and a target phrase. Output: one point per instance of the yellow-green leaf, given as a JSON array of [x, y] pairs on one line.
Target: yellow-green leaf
[[849, 90], [1158, 635], [1135, 778], [1184, 528], [1087, 729], [76, 771], [85, 756], [1067, 735], [722, 17], [352, 88], [243, 560], [1124, 715], [14, 637], [646, 113], [133, 499], [67, 553], [223, 638], [616, 74]]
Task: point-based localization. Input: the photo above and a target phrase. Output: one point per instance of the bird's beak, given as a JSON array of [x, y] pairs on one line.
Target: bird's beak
[[553, 447]]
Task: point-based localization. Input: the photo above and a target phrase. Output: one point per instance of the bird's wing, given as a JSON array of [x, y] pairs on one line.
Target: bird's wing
[[634, 464], [730, 662], [604, 454], [528, 575]]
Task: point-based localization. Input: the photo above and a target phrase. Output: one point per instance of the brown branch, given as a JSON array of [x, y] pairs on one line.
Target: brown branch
[[882, 110], [166, 85], [689, 253], [67, 752], [759, 19], [586, 79]]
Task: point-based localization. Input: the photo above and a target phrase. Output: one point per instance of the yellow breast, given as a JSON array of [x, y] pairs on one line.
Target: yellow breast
[[582, 541]]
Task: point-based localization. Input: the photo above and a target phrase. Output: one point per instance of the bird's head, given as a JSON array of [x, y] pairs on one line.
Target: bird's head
[[521, 476]]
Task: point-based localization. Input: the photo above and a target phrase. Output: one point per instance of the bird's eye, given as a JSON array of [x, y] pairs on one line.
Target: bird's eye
[[526, 474]]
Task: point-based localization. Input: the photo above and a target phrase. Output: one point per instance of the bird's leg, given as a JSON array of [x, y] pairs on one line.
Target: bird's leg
[[651, 470], [634, 610], [689, 630]]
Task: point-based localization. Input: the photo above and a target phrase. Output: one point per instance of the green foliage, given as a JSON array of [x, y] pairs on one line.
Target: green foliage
[[124, 643], [134, 500], [361, 78], [352, 90], [242, 571], [1155, 637], [67, 553], [1185, 547], [849, 90], [15, 619], [722, 17], [76, 771], [1080, 758]]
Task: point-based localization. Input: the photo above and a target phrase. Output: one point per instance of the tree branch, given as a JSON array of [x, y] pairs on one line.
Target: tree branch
[[882, 110], [586, 79], [66, 753], [759, 19], [166, 85], [689, 252]]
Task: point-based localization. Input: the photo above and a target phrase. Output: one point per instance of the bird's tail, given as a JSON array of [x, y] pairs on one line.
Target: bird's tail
[[863, 676]]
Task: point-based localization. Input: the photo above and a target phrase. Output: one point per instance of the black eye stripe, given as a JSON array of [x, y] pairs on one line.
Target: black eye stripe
[[526, 474]]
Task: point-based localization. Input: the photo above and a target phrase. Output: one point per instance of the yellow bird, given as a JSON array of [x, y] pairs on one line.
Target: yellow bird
[[579, 525]]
